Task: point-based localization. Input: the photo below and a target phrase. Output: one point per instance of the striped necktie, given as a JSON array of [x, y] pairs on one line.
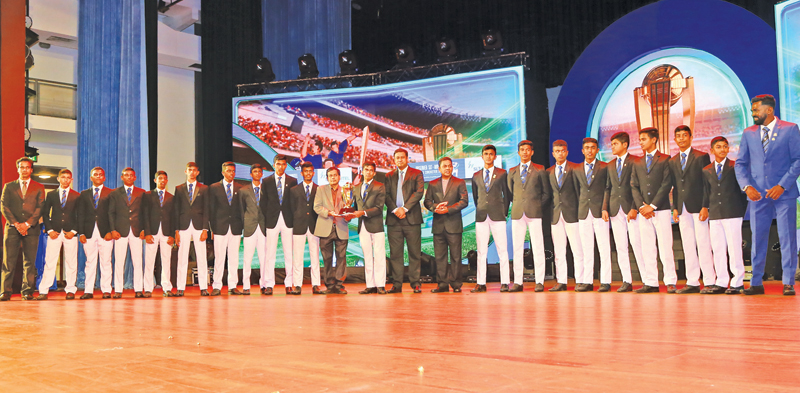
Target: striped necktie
[[308, 191], [486, 181], [589, 174], [63, 198], [161, 198], [96, 196], [649, 162], [228, 193], [719, 171], [128, 191], [683, 161], [191, 188], [524, 174], [364, 195], [560, 176], [765, 139], [619, 168], [280, 191], [258, 195]]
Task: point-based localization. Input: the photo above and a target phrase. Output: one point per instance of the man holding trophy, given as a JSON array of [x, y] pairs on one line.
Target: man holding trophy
[[333, 205]]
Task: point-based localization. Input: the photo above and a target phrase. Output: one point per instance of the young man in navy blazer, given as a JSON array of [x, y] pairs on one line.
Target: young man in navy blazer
[[225, 216], [60, 216], [127, 230], [279, 221], [159, 233], [95, 233], [593, 225], [564, 223], [191, 226], [369, 198], [767, 169]]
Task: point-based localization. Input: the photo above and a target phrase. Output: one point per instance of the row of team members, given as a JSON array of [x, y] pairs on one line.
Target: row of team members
[[709, 200]]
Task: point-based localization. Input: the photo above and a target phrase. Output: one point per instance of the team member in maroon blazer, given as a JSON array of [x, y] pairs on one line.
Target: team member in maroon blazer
[[127, 229]]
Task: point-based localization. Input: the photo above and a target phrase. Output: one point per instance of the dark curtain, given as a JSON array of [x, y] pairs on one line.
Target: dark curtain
[[231, 46], [151, 69]]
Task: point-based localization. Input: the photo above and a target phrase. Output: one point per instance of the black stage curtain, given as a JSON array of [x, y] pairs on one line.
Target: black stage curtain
[[151, 66], [231, 45]]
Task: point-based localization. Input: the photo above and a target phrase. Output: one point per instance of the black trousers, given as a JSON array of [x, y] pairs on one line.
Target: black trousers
[[12, 241], [333, 275], [412, 235], [448, 274]]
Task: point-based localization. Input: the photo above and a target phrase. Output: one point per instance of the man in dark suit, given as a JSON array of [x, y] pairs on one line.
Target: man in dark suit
[[651, 182], [158, 234], [530, 193], [767, 169], [60, 216], [404, 190], [94, 229], [619, 208], [688, 211], [726, 205], [127, 230], [279, 218], [370, 197], [564, 222], [191, 226], [225, 216], [301, 198], [333, 232], [254, 227], [591, 181], [22, 202], [491, 196], [446, 197]]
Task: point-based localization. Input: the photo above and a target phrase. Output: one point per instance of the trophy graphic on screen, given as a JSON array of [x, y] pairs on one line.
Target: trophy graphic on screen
[[441, 139], [662, 88]]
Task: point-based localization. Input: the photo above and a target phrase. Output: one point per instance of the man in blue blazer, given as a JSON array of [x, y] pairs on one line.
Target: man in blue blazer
[[767, 169]]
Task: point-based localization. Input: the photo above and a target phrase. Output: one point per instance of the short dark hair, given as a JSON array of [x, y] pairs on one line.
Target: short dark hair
[[129, 169], [445, 158], [400, 150], [652, 132], [764, 99], [227, 164], [489, 147], [622, 137], [318, 143], [192, 164], [524, 143], [369, 163], [306, 165], [719, 139], [255, 166], [159, 173], [333, 143], [590, 140], [24, 159], [560, 143], [333, 168], [97, 168], [63, 171], [683, 128], [279, 157]]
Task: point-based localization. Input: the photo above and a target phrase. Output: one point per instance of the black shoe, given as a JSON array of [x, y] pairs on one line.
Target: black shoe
[[604, 288], [788, 290], [367, 291], [457, 290], [558, 288], [234, 292], [204, 292], [297, 291], [626, 287], [289, 290], [381, 291], [754, 290], [648, 289], [417, 288], [5, 297], [42, 296], [504, 288], [179, 294], [395, 289], [216, 292], [87, 296], [246, 292], [334, 290], [28, 297], [169, 294], [515, 288], [538, 288], [708, 289], [440, 290], [585, 288], [717, 290], [478, 288], [148, 294], [672, 289], [266, 291], [263, 290], [689, 289], [578, 287], [316, 291], [106, 295], [70, 296], [138, 295], [117, 295]]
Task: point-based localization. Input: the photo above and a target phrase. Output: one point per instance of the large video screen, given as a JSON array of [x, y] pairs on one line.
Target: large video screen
[[452, 116]]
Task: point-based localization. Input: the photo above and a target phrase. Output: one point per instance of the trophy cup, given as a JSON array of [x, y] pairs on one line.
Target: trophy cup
[[347, 200], [441, 138], [663, 86]]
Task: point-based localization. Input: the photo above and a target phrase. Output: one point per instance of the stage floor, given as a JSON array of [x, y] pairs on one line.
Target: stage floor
[[404, 342]]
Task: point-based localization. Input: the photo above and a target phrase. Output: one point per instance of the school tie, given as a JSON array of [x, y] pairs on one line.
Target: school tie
[[649, 162], [308, 191], [96, 196], [719, 171], [161, 198], [683, 161], [129, 194], [364, 195], [258, 196], [190, 192], [228, 193], [63, 198], [589, 174], [524, 173], [619, 168], [560, 176], [280, 191], [399, 201], [24, 188], [765, 139], [486, 181]]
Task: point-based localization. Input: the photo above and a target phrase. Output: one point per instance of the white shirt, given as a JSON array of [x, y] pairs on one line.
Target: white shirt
[[60, 192], [586, 170], [280, 179], [491, 173], [129, 189], [719, 163], [401, 173]]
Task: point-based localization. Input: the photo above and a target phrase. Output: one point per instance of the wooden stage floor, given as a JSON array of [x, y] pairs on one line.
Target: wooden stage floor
[[522, 342]]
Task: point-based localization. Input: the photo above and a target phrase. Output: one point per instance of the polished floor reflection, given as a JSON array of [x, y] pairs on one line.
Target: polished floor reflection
[[408, 342]]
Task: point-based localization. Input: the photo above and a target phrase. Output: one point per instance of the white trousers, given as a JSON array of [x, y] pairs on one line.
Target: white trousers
[[150, 251], [497, 229], [561, 232], [192, 235], [52, 252], [226, 244], [121, 247], [592, 228], [268, 269], [299, 246], [696, 243], [518, 230], [374, 247], [97, 245], [726, 235], [254, 243], [622, 228], [658, 227]]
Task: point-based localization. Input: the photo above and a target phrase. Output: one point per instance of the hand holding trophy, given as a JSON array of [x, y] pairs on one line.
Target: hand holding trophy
[[347, 209]]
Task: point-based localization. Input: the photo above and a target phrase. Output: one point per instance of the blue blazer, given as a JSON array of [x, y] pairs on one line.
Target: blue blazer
[[780, 165]]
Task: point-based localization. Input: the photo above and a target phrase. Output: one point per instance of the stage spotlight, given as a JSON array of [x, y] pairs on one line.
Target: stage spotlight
[[31, 38], [263, 72], [405, 57], [28, 59], [446, 50], [348, 63], [492, 43], [308, 66]]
